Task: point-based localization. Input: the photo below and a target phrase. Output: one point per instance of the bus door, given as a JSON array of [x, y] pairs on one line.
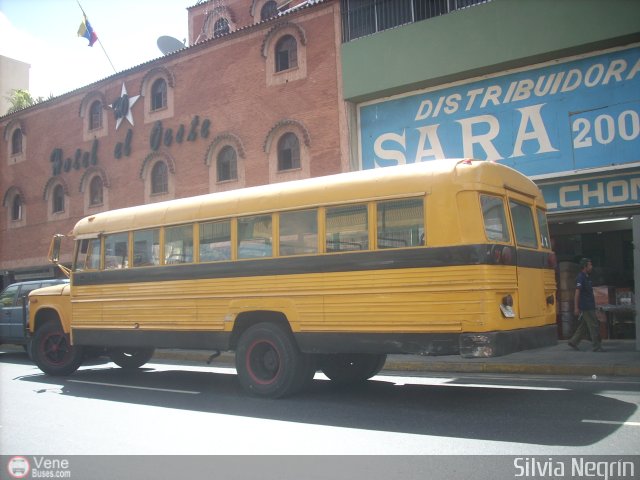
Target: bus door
[[531, 294]]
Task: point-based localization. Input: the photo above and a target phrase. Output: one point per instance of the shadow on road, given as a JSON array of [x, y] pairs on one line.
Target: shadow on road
[[453, 408]]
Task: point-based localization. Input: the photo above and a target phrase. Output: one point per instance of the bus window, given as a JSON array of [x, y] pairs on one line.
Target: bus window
[[116, 251], [254, 237], [88, 255], [523, 224], [401, 223], [146, 247], [544, 229], [347, 228], [178, 244], [93, 255], [298, 233], [215, 241], [495, 223]]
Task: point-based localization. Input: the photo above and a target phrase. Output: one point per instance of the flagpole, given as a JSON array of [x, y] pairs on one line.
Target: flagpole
[[101, 46], [107, 55]]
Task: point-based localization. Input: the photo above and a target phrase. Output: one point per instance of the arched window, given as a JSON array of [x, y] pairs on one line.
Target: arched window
[[16, 208], [269, 9], [288, 152], [96, 191], [159, 178], [95, 115], [286, 53], [16, 142], [221, 27], [159, 94], [227, 164], [57, 204]]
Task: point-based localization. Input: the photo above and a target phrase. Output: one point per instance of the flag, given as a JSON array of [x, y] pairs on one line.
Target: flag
[[86, 31]]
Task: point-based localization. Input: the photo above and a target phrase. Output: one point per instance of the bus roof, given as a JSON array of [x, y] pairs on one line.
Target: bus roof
[[388, 182]]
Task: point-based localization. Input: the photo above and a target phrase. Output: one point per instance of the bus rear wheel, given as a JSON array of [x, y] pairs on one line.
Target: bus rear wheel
[[270, 364], [346, 368], [131, 358], [53, 353]]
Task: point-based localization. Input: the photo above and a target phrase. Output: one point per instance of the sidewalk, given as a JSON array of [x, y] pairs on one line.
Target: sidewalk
[[619, 359]]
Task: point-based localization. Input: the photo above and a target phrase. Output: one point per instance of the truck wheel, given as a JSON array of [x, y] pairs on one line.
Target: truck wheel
[[130, 358], [269, 363], [351, 368], [52, 351]]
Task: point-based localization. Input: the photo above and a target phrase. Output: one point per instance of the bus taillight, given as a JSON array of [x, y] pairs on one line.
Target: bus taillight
[[507, 301], [506, 307]]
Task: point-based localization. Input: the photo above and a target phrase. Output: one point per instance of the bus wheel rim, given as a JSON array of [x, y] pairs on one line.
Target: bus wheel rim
[[55, 348], [263, 362]]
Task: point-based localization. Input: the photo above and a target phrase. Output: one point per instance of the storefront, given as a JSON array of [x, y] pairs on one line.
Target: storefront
[[593, 216], [572, 125]]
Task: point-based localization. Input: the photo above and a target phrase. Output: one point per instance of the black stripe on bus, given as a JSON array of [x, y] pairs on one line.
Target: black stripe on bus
[[432, 343], [480, 254]]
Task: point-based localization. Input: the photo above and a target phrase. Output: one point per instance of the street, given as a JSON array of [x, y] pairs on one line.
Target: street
[[168, 409]]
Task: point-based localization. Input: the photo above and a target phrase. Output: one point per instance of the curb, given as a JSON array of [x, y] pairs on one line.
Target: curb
[[394, 365], [526, 369]]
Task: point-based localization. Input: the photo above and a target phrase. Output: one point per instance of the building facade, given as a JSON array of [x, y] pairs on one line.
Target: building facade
[[549, 88], [255, 98], [270, 91]]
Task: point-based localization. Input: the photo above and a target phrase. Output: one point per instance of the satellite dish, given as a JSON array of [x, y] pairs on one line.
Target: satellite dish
[[168, 44]]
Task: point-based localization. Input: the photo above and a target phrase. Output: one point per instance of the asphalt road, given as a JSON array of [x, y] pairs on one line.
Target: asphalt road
[[189, 409]]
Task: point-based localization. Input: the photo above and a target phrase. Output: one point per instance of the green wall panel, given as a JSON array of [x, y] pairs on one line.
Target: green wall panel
[[483, 39]]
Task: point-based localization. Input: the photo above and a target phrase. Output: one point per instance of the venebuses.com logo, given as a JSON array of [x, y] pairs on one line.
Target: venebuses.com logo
[[18, 467], [38, 467]]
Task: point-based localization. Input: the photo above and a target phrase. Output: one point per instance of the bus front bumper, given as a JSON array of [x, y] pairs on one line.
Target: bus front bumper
[[496, 344]]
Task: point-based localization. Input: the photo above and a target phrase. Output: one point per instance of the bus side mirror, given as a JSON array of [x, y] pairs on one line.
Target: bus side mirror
[[54, 249], [54, 253]]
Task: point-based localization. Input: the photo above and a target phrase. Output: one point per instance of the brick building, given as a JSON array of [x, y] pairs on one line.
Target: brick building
[[255, 98]]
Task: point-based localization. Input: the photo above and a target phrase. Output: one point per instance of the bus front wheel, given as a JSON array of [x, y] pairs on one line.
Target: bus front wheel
[[351, 368], [131, 358], [53, 353], [269, 363]]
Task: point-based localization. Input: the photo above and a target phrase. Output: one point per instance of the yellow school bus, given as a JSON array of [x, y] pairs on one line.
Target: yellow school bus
[[330, 273]]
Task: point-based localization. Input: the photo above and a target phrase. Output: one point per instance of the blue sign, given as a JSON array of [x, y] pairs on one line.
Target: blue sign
[[559, 117], [588, 193]]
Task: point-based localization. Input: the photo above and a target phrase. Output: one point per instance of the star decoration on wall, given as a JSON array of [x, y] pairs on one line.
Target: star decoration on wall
[[122, 106]]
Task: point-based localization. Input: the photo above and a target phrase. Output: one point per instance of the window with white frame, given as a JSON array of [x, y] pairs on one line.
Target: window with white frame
[[159, 178], [284, 50], [288, 152], [95, 115], [16, 142], [57, 199], [159, 94], [227, 164]]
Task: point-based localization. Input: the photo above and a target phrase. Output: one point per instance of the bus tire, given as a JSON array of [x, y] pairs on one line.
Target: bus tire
[[52, 351], [270, 364], [131, 358], [346, 368]]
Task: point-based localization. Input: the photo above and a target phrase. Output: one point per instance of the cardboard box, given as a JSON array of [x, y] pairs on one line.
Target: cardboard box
[[625, 296], [605, 295]]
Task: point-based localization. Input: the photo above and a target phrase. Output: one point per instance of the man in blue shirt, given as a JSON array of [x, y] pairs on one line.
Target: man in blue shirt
[[585, 309]]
